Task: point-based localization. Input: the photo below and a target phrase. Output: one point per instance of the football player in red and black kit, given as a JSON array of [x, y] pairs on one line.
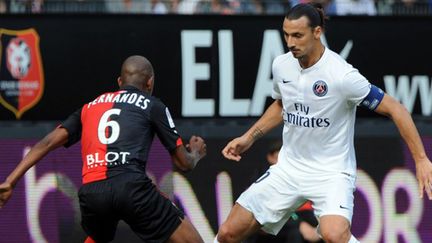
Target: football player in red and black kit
[[116, 131]]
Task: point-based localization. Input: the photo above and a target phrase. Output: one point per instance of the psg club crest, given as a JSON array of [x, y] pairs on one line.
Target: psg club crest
[[21, 72], [320, 88]]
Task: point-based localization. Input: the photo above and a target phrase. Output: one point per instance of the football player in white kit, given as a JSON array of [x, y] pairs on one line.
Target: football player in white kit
[[316, 93]]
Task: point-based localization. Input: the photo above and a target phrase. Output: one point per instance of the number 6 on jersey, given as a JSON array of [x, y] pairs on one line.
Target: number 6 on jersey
[[105, 123]]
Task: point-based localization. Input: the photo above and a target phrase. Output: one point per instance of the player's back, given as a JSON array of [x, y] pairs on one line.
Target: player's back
[[117, 133]]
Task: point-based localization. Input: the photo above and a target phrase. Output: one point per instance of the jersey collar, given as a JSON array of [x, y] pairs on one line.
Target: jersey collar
[[129, 87], [318, 64]]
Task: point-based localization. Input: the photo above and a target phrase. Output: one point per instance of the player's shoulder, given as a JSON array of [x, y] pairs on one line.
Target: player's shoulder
[[342, 71], [103, 98], [154, 99], [284, 58], [156, 103], [337, 64], [336, 59], [107, 93]]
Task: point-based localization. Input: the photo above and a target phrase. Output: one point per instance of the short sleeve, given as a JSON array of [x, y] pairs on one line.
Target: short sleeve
[[73, 125], [164, 126], [355, 87], [276, 94]]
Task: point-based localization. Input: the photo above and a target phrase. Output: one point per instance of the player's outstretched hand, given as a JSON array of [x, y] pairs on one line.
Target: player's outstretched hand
[[424, 177], [5, 193], [236, 147], [197, 144]]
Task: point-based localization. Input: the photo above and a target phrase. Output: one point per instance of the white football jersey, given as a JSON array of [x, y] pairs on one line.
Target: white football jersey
[[319, 108]]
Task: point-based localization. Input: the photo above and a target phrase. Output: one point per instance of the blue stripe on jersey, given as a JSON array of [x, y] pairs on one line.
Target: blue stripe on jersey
[[373, 99]]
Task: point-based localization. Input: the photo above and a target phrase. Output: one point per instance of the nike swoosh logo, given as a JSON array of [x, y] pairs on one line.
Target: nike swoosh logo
[[286, 81], [343, 207]]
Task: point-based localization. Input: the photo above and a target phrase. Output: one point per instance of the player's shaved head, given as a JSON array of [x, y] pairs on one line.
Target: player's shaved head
[[136, 71]]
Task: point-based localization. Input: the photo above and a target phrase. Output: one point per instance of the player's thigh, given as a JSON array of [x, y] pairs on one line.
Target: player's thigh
[[185, 233], [333, 195], [151, 215], [97, 217], [272, 199], [334, 228], [100, 229]]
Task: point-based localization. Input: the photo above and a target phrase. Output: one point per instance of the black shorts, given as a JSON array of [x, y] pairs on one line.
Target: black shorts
[[131, 197]]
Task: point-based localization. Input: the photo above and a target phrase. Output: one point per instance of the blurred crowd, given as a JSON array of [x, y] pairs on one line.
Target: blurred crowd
[[227, 7]]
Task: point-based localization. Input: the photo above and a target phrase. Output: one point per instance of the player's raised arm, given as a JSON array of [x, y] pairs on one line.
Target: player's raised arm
[[187, 159], [270, 119], [401, 117], [50, 142]]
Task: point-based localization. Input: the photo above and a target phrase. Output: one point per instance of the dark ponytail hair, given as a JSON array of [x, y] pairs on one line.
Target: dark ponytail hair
[[313, 11]]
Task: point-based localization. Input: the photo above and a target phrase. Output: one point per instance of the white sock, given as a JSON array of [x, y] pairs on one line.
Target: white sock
[[215, 240], [353, 240]]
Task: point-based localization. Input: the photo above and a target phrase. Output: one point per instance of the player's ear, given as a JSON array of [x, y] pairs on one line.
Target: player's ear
[[150, 84], [119, 81], [317, 32]]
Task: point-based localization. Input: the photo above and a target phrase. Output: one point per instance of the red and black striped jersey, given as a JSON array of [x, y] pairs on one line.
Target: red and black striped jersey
[[116, 131]]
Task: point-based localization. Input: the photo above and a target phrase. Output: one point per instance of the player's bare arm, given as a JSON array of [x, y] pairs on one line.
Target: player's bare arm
[[187, 159], [270, 119], [401, 117], [50, 142]]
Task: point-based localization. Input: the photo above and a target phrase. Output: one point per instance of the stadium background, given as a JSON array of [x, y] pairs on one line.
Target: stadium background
[[214, 74]]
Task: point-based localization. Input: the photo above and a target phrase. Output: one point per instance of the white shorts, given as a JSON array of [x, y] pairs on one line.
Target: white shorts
[[276, 195]]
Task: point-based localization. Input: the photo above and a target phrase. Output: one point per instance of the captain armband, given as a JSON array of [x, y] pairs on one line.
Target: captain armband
[[373, 99]]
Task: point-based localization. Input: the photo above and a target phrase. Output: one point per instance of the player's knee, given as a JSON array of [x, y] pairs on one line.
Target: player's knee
[[331, 237], [334, 229], [335, 235], [225, 234]]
